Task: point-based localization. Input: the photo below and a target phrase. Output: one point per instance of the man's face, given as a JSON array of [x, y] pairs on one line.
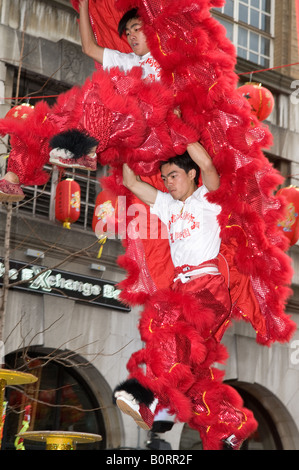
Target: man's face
[[136, 37], [178, 183]]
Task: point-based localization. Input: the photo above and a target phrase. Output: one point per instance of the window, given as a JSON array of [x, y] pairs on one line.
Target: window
[[40, 201], [283, 166], [60, 401], [249, 26], [36, 87]]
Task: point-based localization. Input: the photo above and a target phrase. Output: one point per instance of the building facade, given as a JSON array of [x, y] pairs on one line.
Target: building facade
[[58, 327]]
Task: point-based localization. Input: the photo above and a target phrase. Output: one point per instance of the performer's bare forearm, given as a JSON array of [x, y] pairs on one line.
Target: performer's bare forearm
[[89, 44], [209, 174], [144, 191]]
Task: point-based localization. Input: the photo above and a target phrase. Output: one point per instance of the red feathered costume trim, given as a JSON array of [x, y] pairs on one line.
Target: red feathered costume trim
[[198, 63], [179, 354], [181, 343]]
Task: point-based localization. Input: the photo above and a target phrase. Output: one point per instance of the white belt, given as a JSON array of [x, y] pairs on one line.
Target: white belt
[[185, 276]]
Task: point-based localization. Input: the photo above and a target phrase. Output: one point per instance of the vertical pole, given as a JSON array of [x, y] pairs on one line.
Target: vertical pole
[[4, 294], [2, 407]]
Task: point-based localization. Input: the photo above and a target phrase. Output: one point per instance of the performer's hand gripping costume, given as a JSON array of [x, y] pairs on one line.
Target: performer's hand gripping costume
[[134, 123]]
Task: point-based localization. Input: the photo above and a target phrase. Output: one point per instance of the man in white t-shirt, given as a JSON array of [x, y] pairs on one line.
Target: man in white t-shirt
[[191, 220], [192, 227], [131, 26], [194, 238]]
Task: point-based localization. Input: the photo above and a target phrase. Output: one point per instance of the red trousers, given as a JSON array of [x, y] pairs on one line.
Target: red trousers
[[181, 328]]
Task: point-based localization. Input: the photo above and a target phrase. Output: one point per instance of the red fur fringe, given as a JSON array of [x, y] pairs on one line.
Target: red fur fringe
[[235, 139], [197, 62]]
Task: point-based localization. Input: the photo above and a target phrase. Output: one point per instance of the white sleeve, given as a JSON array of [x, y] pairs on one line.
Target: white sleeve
[[161, 206], [112, 58], [211, 205]]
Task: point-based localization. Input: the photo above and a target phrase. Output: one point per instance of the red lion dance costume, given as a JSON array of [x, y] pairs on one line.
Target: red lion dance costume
[[134, 123]]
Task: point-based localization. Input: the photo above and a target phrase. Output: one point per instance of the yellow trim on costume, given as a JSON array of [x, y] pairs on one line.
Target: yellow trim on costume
[[241, 425], [203, 399], [212, 86], [160, 45], [211, 141], [172, 367], [239, 226], [245, 420], [174, 93], [161, 327]]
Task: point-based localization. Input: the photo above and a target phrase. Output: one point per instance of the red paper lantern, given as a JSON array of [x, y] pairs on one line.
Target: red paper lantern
[[290, 224], [104, 220], [20, 112], [260, 99], [68, 200]]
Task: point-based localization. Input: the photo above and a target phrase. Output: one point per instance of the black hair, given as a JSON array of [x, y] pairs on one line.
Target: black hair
[[185, 162], [77, 142], [133, 13]]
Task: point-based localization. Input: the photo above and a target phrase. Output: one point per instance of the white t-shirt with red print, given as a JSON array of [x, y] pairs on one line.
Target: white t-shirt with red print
[[193, 229], [150, 68]]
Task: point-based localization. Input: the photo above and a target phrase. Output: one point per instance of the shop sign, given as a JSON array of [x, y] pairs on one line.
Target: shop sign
[[42, 280]]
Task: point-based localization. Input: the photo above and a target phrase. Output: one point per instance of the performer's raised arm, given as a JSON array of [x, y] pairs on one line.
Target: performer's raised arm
[[89, 45], [144, 191], [200, 156]]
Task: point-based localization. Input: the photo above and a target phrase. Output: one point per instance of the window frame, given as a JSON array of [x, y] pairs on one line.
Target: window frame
[[57, 367], [37, 87], [263, 60], [89, 185]]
